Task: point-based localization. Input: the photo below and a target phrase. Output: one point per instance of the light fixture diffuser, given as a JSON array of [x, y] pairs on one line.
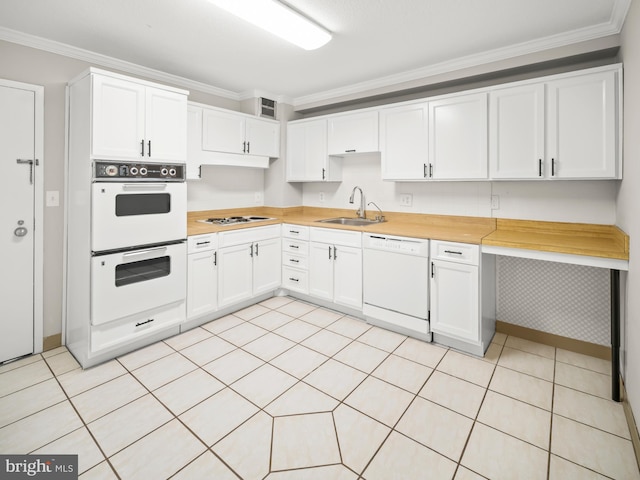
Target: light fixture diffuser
[[278, 19]]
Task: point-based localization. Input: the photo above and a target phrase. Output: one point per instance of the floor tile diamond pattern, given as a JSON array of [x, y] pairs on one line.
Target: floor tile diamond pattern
[[288, 390]]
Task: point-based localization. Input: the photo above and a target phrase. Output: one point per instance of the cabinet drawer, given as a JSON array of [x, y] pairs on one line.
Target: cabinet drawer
[[455, 252], [247, 235], [295, 279], [336, 237], [295, 231], [297, 261], [295, 247], [202, 243], [121, 332]]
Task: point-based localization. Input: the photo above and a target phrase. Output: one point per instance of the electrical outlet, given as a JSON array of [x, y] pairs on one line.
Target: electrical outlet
[[406, 199], [53, 198], [257, 197], [321, 197], [495, 202]]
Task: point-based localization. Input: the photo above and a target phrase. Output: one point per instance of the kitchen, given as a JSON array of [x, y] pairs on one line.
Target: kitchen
[[229, 187]]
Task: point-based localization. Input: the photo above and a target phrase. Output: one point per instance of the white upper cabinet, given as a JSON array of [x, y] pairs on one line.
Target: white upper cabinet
[[458, 138], [404, 142], [565, 128], [137, 121], [307, 159], [353, 133], [231, 132], [581, 126], [516, 126]]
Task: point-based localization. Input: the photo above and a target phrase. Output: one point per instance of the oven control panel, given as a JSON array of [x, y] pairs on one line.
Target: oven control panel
[[138, 172]]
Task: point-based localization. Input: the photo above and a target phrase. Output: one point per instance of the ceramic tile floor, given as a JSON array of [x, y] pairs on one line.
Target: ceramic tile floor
[[289, 390]]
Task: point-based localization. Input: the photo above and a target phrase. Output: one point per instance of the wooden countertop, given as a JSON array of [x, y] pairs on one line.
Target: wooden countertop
[[436, 227], [605, 241]]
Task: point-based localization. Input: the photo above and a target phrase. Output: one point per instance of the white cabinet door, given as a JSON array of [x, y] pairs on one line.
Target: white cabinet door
[[455, 300], [581, 126], [267, 265], [166, 125], [353, 133], [118, 118], [321, 270], [202, 286], [235, 274], [222, 132], [307, 159], [458, 138], [262, 137], [404, 141], [516, 126], [347, 276]]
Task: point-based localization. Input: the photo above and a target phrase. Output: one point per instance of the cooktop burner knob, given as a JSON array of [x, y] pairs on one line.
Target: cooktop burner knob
[[133, 170], [143, 171]]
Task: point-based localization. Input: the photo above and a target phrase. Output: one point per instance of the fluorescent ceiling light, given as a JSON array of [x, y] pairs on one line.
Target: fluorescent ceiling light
[[278, 19]]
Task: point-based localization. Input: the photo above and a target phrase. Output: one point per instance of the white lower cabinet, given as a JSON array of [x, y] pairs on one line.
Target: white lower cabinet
[[249, 263], [202, 275], [295, 258], [335, 266], [462, 313]]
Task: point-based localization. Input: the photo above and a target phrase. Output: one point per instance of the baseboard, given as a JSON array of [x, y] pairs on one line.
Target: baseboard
[[631, 422], [578, 346], [51, 342]]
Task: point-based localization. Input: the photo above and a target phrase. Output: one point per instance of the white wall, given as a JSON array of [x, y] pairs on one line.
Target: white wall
[[629, 201], [560, 201], [226, 187]]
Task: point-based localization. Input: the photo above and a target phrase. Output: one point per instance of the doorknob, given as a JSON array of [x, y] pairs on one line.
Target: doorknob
[[20, 231]]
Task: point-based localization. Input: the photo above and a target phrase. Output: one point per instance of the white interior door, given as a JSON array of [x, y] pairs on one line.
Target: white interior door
[[17, 218]]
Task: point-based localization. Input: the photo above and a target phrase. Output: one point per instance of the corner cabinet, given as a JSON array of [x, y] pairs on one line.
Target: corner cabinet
[[564, 128], [137, 120], [462, 307], [307, 159]]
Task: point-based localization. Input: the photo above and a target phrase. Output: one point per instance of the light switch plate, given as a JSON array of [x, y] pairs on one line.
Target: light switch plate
[[53, 198]]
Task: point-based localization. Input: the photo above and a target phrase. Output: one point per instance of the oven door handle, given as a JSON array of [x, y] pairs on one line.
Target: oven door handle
[[144, 186], [144, 252]]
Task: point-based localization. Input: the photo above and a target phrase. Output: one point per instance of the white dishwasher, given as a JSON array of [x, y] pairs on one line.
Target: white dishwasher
[[396, 284]]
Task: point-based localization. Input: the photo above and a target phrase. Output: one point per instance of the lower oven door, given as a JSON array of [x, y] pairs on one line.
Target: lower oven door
[[127, 283], [125, 214]]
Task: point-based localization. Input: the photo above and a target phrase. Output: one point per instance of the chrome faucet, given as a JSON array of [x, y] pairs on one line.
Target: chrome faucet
[[361, 211]]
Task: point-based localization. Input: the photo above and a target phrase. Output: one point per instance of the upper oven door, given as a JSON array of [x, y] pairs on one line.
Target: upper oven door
[[130, 214]]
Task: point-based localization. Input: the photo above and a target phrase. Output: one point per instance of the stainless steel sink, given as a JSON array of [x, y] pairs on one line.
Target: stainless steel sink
[[355, 222]]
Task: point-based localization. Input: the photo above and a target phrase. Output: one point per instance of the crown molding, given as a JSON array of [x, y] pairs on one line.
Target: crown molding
[[363, 89], [110, 62]]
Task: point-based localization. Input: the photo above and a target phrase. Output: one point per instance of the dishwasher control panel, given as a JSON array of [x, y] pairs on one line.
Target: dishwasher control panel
[[409, 246]]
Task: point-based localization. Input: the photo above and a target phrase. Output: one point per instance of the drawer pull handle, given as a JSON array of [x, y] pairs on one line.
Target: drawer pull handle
[[203, 243], [294, 246], [296, 232], [293, 279], [453, 252], [139, 324], [294, 260]]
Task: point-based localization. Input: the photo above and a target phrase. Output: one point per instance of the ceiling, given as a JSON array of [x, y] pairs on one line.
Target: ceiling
[[375, 42]]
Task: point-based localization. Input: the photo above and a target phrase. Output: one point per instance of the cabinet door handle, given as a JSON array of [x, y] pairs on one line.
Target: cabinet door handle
[[248, 147], [424, 170], [323, 173], [453, 252], [244, 147], [329, 252], [257, 253], [149, 148], [432, 270], [251, 250], [142, 147], [539, 167], [215, 259], [430, 170], [553, 167], [335, 253]]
